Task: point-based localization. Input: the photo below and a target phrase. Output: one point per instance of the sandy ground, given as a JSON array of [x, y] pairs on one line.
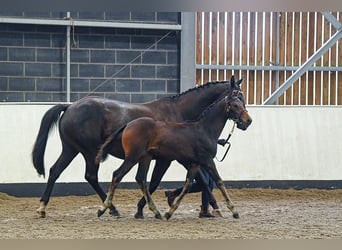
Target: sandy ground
[[265, 214]]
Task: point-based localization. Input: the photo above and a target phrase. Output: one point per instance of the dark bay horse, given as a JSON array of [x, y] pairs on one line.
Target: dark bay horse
[[192, 144], [84, 125]]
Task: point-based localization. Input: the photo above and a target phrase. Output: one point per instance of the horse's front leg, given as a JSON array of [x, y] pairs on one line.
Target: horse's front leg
[[158, 172], [117, 177], [141, 180], [211, 168], [192, 171]]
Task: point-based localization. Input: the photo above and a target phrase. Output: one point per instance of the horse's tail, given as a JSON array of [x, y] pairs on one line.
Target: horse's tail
[[103, 150], [49, 120]]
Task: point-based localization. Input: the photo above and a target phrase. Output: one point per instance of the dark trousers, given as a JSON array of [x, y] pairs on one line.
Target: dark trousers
[[196, 187]]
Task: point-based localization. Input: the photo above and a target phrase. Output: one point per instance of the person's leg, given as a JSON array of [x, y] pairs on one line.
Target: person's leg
[[205, 213]]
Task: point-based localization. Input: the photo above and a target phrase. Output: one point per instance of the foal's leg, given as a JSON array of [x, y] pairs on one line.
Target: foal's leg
[[192, 171], [67, 155], [211, 168], [118, 174], [144, 165], [159, 170]]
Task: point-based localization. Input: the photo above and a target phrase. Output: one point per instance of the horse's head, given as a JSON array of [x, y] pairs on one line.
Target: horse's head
[[236, 108]]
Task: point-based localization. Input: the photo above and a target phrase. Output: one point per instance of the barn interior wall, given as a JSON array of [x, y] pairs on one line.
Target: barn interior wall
[[132, 65], [283, 143]]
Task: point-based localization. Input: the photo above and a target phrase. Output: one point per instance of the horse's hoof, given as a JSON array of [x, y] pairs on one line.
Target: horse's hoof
[[114, 212], [139, 216], [41, 214], [100, 212], [158, 216], [236, 215], [167, 215]]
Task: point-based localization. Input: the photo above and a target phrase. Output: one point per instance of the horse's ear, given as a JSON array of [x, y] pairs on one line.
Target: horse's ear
[[232, 81], [238, 83]]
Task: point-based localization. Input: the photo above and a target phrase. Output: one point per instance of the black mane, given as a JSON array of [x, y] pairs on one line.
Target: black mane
[[205, 85]]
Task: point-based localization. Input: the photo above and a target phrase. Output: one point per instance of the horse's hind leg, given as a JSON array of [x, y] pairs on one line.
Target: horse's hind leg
[[158, 172], [141, 180], [186, 187], [91, 176], [60, 165]]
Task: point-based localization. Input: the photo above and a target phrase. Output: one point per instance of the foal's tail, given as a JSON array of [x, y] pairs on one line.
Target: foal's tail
[[103, 151], [49, 120]]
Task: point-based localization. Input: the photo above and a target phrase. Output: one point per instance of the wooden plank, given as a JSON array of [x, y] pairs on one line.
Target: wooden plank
[[333, 75], [259, 60], [303, 56], [296, 52], [274, 50], [310, 87], [198, 46], [206, 58], [244, 48], [267, 55], [213, 59], [251, 82], [221, 44]]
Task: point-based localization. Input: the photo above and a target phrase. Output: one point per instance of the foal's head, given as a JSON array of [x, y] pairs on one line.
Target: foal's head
[[236, 108]]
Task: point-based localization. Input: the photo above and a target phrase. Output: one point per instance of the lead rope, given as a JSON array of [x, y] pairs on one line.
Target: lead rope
[[223, 142]]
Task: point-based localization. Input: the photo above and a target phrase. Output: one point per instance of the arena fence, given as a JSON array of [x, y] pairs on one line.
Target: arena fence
[[265, 49]]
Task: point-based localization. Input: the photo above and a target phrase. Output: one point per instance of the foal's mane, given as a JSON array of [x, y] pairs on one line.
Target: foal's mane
[[207, 110], [197, 88]]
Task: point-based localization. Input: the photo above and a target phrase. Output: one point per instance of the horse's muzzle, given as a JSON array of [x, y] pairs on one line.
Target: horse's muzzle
[[244, 121]]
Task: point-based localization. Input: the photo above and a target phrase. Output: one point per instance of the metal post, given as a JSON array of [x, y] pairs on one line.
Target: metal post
[[277, 51], [68, 61], [188, 51]]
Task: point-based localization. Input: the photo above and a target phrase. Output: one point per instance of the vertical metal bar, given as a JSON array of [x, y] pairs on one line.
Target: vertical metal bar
[[210, 41], [270, 35], [293, 54], [255, 56], [248, 53], [263, 56], [188, 51], [68, 61], [218, 44], [300, 57], [202, 46], [322, 61], [307, 56], [329, 64], [277, 52], [336, 64], [225, 44], [314, 75]]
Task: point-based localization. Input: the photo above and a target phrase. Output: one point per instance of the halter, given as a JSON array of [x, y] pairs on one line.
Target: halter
[[234, 96], [223, 142]]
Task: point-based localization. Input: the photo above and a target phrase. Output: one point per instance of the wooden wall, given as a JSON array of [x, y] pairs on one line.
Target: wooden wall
[[246, 44]]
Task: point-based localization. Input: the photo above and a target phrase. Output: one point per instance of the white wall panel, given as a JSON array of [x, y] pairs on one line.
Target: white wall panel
[[283, 143]]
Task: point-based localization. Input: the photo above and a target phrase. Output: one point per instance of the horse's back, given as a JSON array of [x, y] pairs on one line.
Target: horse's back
[[94, 115]]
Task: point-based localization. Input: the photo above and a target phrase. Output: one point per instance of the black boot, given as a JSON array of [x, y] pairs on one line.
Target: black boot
[[205, 212]]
